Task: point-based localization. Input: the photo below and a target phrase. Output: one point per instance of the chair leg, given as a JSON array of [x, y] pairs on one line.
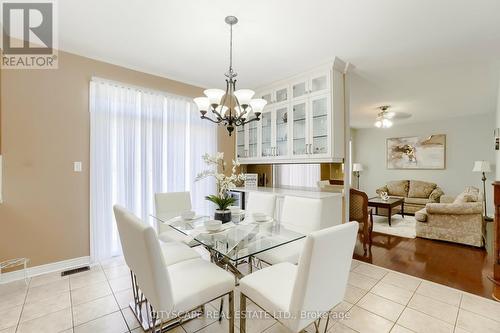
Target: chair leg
[[221, 308], [327, 322], [231, 312], [370, 231], [243, 313], [316, 325]]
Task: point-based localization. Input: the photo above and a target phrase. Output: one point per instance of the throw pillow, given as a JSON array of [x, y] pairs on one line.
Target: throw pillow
[[420, 189], [398, 188]]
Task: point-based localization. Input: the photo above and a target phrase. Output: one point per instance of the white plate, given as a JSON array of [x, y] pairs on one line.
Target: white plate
[[268, 219], [193, 218], [204, 230]]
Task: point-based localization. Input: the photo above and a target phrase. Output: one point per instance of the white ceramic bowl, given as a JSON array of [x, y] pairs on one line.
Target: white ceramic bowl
[[213, 225], [260, 217], [188, 215]]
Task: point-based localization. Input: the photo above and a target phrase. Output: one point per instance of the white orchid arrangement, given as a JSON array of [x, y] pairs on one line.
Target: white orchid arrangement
[[224, 183]]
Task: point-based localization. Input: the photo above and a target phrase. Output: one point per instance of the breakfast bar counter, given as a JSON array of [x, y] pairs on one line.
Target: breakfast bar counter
[[333, 200]]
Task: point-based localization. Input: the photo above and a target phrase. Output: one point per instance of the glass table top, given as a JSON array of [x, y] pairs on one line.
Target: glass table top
[[234, 241]]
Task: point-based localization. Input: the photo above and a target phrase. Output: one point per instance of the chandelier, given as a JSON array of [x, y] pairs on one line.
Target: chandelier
[[384, 117], [231, 107]]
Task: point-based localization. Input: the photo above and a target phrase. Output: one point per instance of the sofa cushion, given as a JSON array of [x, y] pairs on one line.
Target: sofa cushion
[[455, 208], [470, 194], [420, 189], [417, 201], [398, 188], [436, 195], [464, 197], [421, 215]]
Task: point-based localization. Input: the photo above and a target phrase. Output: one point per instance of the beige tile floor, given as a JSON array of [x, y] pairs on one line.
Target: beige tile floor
[[377, 300]]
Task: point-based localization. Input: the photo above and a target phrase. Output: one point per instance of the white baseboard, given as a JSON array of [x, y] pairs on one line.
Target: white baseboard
[[44, 269]]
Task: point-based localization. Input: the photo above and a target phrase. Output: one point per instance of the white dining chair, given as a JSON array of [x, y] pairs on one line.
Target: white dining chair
[[314, 286], [170, 291], [302, 215], [259, 202], [167, 206]]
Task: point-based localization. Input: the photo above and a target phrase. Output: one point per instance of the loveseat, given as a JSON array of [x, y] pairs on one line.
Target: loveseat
[[458, 220], [416, 193]]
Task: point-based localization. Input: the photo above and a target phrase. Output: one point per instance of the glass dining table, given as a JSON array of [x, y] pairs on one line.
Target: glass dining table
[[233, 243]]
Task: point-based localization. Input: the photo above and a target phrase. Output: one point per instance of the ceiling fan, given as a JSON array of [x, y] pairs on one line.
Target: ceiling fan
[[385, 118]]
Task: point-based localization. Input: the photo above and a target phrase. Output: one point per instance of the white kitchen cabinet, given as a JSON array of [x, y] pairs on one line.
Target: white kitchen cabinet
[[274, 132], [303, 121]]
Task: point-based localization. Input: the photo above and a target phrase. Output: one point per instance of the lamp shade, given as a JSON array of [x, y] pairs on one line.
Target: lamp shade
[[214, 95], [244, 96], [481, 166], [258, 104], [357, 167], [202, 102]]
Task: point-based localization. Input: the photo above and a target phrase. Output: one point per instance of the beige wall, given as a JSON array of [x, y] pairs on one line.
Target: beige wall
[[44, 129]]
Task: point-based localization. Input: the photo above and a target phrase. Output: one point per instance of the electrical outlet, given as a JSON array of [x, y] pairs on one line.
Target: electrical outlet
[[77, 166]]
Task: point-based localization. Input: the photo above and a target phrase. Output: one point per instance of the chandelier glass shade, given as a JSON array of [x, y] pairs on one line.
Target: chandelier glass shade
[[384, 117], [230, 107]]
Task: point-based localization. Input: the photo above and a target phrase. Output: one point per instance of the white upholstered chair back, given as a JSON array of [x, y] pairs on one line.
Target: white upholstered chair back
[[169, 205], [260, 203], [304, 215], [143, 255], [323, 270]]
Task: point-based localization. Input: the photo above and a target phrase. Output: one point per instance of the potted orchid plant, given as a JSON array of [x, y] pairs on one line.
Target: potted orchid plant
[[224, 183]]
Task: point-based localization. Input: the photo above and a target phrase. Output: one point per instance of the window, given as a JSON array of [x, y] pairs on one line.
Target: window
[[304, 175], [142, 142]]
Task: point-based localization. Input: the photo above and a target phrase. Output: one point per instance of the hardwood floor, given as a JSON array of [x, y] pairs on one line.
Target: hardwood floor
[[458, 266]]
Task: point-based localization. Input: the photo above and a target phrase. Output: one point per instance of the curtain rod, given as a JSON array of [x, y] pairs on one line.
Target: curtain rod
[[140, 88]]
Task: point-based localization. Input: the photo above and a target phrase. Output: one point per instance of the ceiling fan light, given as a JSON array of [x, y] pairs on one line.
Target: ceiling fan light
[[214, 95], [244, 96], [202, 102], [258, 104], [378, 124], [386, 123]]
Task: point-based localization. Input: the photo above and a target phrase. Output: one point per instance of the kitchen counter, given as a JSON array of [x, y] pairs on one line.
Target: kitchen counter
[[306, 192], [333, 200]]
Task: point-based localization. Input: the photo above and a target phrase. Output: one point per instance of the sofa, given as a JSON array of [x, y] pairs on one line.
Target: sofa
[[416, 193], [458, 220]]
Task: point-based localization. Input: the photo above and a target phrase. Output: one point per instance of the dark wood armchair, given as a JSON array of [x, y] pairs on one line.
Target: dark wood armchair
[[359, 211]]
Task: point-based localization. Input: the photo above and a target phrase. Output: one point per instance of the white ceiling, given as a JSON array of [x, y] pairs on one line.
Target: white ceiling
[[431, 58]]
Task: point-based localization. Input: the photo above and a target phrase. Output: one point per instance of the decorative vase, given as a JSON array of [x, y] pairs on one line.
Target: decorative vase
[[223, 215]]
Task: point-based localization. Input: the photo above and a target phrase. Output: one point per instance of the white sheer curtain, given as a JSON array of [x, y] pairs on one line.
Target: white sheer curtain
[[142, 142], [304, 175]]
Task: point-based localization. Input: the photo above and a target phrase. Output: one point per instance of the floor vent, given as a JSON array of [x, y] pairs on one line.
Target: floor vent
[[75, 270]]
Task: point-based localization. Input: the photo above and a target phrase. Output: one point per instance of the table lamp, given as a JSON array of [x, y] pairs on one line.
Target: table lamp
[[356, 169], [483, 166]]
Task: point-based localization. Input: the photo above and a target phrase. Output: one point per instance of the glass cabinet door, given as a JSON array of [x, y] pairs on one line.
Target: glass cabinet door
[[299, 89], [282, 95], [240, 142], [281, 131], [319, 124], [299, 129], [319, 83], [252, 139], [266, 147], [268, 96]]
